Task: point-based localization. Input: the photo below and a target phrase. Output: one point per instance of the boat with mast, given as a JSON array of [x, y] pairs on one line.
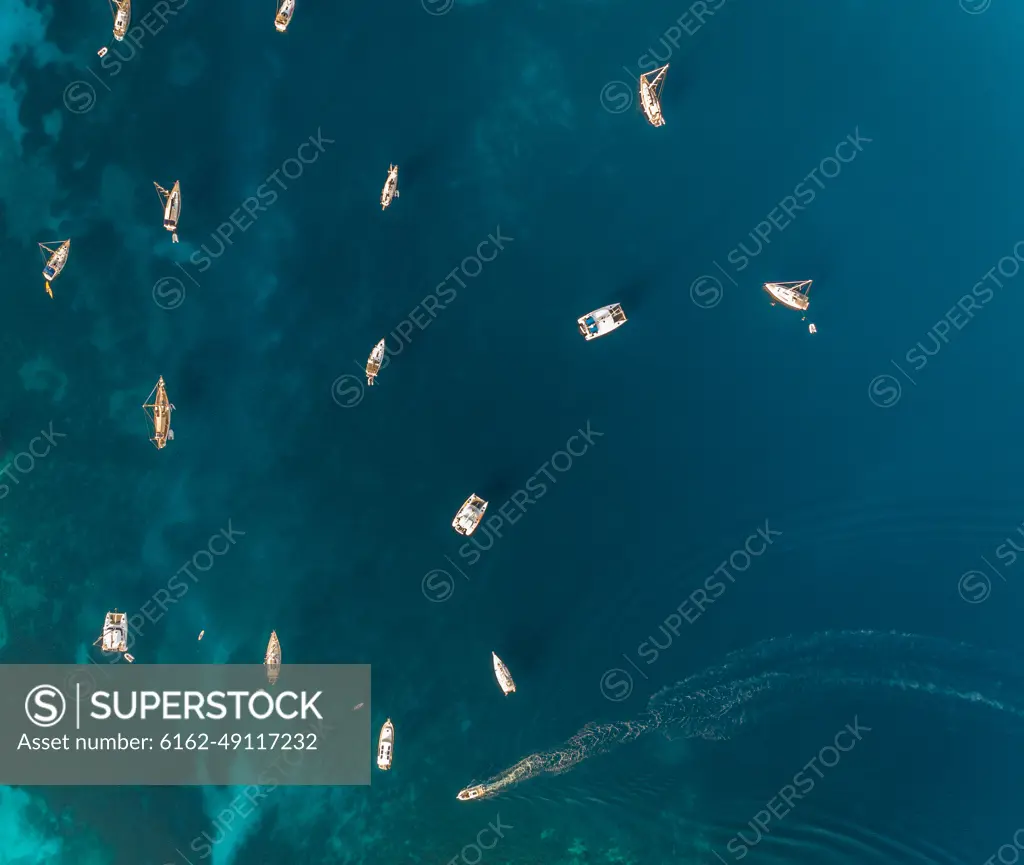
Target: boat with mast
[[651, 84], [122, 12], [158, 409], [285, 10], [114, 637], [55, 253], [390, 190], [792, 295], [503, 676], [469, 515], [386, 746], [601, 321], [373, 362], [272, 659], [171, 202]]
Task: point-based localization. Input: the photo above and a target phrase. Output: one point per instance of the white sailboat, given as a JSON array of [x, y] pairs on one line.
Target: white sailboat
[[503, 676], [272, 659], [171, 202], [386, 746], [122, 12], [285, 10], [115, 633], [469, 515], [158, 409], [651, 84], [390, 190], [55, 254], [373, 362], [601, 321], [792, 295]]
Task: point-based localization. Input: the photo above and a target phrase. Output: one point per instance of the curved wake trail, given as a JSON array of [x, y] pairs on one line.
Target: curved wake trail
[[713, 703]]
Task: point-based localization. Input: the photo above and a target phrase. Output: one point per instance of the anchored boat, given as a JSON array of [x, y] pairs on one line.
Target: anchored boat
[[469, 515], [285, 10], [158, 409], [386, 745], [503, 676], [792, 295], [390, 190], [115, 633], [651, 84], [171, 202], [601, 321], [55, 254], [272, 659], [122, 11], [373, 362]]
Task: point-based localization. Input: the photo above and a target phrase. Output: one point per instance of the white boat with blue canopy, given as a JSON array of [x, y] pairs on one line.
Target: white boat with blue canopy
[[601, 321]]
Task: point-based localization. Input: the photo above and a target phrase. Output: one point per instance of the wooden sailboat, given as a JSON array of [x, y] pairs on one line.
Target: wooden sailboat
[[171, 202], [122, 12], [373, 362], [792, 295], [390, 190], [285, 10], [158, 409], [55, 253], [272, 659], [650, 94]]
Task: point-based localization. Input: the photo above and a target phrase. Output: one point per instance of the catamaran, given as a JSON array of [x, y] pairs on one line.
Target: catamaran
[[373, 362], [386, 745], [503, 676], [601, 321], [158, 409], [171, 202], [272, 659], [285, 10], [122, 11], [115, 633], [792, 295], [55, 253], [650, 95], [469, 515], [390, 190]]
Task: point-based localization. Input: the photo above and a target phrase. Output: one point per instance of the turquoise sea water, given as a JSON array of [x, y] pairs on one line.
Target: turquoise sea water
[[872, 147]]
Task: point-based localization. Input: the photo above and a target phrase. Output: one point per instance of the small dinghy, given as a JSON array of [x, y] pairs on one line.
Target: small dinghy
[[115, 633], [469, 515], [373, 362], [386, 745], [601, 321], [503, 676], [272, 659], [390, 190]]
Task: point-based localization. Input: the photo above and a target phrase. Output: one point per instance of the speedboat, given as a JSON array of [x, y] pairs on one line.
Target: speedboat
[[471, 793]]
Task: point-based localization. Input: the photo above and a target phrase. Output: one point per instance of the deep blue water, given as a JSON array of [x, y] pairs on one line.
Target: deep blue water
[[708, 421]]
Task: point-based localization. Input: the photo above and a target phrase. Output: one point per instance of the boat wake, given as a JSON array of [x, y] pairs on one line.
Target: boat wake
[[748, 685]]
